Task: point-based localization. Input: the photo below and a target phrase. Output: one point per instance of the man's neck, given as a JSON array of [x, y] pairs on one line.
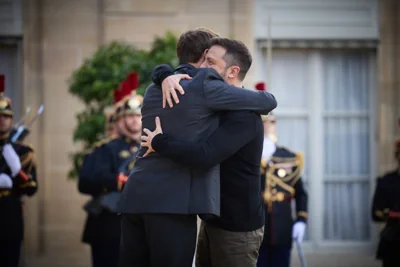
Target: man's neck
[[196, 65], [132, 136], [236, 83]]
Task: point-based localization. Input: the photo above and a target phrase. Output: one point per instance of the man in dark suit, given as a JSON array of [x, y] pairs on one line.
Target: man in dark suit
[[233, 239], [161, 199]]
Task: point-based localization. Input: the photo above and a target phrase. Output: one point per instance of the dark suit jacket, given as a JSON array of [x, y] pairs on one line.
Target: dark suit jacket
[[239, 152], [160, 185]]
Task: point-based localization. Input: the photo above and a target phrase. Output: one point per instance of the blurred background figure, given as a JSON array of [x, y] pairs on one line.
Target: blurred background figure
[[105, 171], [386, 209], [17, 179], [281, 171]]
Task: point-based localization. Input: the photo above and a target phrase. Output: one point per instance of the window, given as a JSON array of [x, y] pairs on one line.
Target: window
[[325, 110], [9, 66]]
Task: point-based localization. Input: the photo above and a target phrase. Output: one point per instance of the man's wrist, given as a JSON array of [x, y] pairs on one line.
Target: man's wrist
[[165, 75]]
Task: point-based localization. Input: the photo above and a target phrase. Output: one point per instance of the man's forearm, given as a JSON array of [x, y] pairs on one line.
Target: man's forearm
[[186, 153], [222, 96]]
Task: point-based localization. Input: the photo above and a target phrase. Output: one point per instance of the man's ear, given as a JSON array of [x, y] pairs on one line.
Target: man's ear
[[233, 72]]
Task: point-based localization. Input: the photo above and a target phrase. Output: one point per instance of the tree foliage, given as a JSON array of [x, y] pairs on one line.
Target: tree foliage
[[94, 81]]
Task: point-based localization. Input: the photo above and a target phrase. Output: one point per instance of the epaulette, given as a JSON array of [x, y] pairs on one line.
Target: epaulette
[[27, 157], [104, 141], [30, 146]]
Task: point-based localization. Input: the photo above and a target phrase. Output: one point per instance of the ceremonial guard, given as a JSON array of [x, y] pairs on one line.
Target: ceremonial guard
[[17, 178], [386, 208], [104, 173], [281, 171]]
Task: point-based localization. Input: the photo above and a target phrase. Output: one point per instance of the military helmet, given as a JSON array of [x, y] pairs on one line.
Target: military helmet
[[125, 98], [110, 117], [5, 102]]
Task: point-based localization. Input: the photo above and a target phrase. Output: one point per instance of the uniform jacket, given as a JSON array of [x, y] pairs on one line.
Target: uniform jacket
[[386, 208], [281, 181], [160, 185], [98, 176], [11, 221]]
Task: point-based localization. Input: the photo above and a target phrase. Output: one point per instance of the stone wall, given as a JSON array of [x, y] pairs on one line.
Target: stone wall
[[388, 83]]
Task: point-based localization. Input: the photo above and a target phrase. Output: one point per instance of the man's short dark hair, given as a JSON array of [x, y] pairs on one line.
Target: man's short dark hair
[[192, 44], [236, 54]]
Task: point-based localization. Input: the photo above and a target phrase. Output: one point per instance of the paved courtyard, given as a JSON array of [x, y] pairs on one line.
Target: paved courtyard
[[313, 260]]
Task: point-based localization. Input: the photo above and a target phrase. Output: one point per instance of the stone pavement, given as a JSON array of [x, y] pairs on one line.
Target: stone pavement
[[313, 260]]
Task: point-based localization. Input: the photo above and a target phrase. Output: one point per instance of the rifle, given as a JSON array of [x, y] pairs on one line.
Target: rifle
[[20, 131], [109, 201]]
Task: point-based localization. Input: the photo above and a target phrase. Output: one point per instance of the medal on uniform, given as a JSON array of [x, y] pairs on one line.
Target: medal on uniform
[[280, 196], [124, 154], [281, 173]]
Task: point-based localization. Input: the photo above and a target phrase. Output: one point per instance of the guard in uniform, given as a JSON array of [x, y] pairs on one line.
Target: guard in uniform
[[102, 178], [281, 171], [386, 208], [17, 178]]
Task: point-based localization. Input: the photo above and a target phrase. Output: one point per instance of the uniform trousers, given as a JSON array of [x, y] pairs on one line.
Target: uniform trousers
[[105, 253], [274, 257], [157, 240], [10, 251]]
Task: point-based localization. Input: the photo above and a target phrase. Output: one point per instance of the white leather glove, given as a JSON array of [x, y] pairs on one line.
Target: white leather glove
[[12, 159], [299, 229], [5, 181]]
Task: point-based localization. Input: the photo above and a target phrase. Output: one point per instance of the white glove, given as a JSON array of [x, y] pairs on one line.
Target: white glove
[[299, 229], [5, 181], [12, 159]]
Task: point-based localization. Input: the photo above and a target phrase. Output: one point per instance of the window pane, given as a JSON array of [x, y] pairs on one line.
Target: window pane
[[347, 150], [346, 81], [346, 213], [290, 79]]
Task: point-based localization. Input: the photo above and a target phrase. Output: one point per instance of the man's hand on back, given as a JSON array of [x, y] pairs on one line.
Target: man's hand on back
[[149, 135], [169, 85]]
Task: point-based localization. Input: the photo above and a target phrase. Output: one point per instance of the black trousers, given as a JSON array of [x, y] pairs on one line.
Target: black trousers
[[10, 253], [391, 262], [157, 240], [105, 254]]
